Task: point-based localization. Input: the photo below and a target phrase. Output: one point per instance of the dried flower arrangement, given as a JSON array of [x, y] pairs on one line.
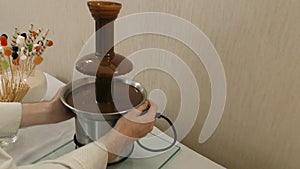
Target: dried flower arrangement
[[19, 61]]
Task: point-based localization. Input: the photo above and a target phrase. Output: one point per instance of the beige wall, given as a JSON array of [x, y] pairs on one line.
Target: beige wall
[[258, 42]]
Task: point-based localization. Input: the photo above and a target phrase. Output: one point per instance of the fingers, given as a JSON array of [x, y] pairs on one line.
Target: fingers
[[135, 125], [144, 106], [137, 112], [150, 115]]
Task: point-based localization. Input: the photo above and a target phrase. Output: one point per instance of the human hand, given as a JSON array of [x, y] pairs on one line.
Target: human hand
[[129, 128], [58, 112], [45, 112], [135, 125]]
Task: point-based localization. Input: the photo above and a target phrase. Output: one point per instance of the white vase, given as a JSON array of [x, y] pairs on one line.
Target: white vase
[[38, 87]]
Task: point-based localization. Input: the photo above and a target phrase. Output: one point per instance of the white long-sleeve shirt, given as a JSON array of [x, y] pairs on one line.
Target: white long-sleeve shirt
[[91, 156]]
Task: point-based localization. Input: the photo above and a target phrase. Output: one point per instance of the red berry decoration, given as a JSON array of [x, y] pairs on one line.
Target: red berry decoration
[[49, 43], [38, 48], [34, 34], [5, 36], [3, 40]]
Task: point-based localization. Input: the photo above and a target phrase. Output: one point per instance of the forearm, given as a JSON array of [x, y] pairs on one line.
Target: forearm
[[115, 142], [91, 156], [45, 112], [35, 114]]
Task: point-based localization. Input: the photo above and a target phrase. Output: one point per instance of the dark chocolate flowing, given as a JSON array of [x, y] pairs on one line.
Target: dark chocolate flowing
[[104, 63]]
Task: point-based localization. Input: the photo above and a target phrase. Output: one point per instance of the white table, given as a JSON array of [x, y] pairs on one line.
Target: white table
[[35, 142]]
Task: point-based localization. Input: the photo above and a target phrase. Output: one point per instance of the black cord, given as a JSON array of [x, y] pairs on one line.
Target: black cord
[[77, 144], [165, 148]]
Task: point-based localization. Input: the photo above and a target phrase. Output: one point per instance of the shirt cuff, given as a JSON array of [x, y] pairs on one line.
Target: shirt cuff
[[10, 114], [90, 156]]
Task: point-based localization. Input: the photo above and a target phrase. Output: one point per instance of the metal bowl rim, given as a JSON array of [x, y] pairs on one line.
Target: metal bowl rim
[[68, 88]]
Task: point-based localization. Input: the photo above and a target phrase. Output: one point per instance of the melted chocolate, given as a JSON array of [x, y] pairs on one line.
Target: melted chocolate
[[124, 97], [104, 64]]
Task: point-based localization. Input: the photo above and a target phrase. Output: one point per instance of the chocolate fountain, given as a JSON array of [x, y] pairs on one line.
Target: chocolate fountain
[[100, 100]]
